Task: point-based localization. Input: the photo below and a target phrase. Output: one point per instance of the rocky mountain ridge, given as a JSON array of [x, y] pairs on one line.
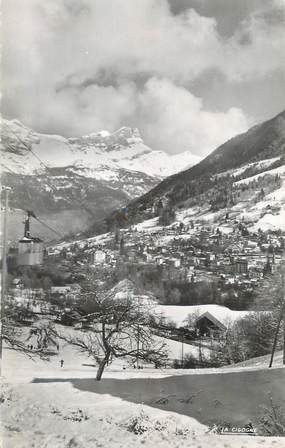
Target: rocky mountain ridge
[[72, 182], [123, 148]]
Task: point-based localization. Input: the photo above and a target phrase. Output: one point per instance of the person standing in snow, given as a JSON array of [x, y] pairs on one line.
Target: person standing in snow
[[61, 362]]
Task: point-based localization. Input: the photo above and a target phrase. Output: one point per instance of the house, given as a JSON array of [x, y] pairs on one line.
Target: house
[[216, 319], [99, 257], [67, 291], [209, 325], [17, 283], [176, 262], [19, 292], [147, 257], [251, 245], [60, 290], [52, 252], [239, 266]]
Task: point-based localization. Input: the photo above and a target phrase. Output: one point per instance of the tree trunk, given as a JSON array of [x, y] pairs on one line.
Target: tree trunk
[[102, 367], [276, 336]]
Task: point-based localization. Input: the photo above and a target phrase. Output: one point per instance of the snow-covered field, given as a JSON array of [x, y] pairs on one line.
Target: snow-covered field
[[179, 314], [46, 406]]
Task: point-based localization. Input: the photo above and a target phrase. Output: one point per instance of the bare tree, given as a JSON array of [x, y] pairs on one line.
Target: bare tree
[[14, 335], [119, 327], [44, 334], [271, 296], [191, 319]]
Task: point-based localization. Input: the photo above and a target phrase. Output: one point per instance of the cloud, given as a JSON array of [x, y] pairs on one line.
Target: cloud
[[258, 46], [76, 66], [172, 117]]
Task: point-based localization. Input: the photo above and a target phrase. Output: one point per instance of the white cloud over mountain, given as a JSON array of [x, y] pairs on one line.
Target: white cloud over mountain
[[183, 119], [55, 53]]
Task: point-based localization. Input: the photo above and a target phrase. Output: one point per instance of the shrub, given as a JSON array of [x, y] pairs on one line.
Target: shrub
[[189, 362], [272, 421]]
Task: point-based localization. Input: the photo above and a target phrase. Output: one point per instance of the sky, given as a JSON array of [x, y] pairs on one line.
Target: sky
[[190, 74]]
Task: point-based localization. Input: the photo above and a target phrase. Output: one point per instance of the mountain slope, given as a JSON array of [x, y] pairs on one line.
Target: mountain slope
[[212, 182], [73, 182]]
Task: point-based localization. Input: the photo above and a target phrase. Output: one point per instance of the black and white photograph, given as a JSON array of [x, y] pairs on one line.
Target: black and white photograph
[[142, 224]]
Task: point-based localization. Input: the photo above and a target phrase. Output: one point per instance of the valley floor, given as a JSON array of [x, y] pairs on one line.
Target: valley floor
[[46, 406]]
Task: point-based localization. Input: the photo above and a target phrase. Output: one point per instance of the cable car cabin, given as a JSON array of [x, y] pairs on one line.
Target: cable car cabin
[[30, 248], [30, 251]]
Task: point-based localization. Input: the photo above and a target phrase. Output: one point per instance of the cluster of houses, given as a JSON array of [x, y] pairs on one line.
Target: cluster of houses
[[231, 257], [185, 254], [177, 255]]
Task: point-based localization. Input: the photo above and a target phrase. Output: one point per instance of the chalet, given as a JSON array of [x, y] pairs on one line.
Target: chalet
[[209, 325], [216, 319]]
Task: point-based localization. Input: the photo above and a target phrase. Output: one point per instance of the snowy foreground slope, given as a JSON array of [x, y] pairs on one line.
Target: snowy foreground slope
[[44, 405]]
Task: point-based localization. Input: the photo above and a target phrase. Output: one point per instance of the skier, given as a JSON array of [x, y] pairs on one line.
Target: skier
[[61, 362]]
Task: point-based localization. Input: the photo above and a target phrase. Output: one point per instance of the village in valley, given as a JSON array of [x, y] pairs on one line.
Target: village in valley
[[189, 267]]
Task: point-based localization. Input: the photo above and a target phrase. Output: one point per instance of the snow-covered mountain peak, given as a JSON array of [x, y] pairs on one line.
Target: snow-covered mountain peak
[[128, 133], [123, 148], [70, 181], [123, 137], [102, 133], [17, 123]]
